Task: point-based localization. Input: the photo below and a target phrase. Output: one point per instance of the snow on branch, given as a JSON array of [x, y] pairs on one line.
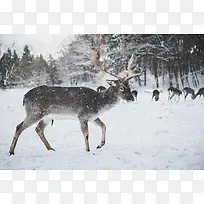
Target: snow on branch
[[10, 72]]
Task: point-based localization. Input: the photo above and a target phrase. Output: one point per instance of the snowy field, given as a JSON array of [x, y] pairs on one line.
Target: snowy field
[[140, 135]]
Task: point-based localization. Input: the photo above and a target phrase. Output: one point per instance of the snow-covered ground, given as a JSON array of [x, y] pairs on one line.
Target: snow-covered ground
[[140, 135]]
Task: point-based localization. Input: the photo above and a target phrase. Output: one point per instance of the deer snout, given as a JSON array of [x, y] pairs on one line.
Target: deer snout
[[193, 97], [156, 98], [130, 98]]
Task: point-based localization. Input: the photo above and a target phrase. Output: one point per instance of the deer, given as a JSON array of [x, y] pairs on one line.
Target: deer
[[155, 95], [188, 90], [134, 93], [174, 92], [200, 92], [101, 88], [43, 103]]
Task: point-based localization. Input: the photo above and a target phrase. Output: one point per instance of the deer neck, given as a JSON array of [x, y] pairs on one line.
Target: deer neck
[[110, 96]]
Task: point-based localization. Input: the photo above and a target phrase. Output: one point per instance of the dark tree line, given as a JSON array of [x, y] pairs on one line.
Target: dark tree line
[[27, 69], [168, 59], [176, 59], [173, 58]]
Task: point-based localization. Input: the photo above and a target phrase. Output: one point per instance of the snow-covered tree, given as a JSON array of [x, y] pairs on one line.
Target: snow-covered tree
[[75, 59], [25, 64], [53, 72], [39, 68]]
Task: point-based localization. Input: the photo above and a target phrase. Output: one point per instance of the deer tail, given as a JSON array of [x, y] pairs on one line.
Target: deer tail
[[24, 100], [52, 122]]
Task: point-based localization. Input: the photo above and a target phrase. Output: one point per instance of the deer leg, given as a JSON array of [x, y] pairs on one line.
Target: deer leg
[[152, 97], [102, 125], [178, 98], [185, 95], [19, 129], [85, 131], [40, 131], [172, 96]]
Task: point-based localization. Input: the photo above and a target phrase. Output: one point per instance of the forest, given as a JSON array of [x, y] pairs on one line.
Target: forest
[[169, 59]]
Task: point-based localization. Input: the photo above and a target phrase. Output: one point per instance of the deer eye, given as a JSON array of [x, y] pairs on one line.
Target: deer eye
[[122, 89]]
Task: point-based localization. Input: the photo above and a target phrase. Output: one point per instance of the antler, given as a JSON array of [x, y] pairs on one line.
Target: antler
[[129, 70], [95, 59], [130, 62], [96, 63], [131, 73]]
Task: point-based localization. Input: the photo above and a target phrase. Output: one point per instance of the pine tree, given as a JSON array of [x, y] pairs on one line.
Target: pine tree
[[15, 71], [5, 67], [2, 70], [15, 58], [25, 65], [39, 70], [53, 71]]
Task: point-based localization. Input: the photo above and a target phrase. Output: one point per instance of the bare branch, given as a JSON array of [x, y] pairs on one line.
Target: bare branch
[[158, 57], [162, 43], [11, 71]]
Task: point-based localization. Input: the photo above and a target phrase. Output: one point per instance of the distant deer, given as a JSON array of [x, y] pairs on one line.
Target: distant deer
[[134, 93], [200, 92], [174, 92], [155, 95], [43, 103], [188, 90], [101, 88]]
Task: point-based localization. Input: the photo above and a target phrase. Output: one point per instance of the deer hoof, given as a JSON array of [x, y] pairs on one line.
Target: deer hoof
[[87, 150], [11, 153], [100, 145], [51, 149]]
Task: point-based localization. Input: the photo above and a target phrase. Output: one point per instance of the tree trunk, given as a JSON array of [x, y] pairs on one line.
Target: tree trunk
[[196, 68], [176, 73], [170, 73], [154, 64], [180, 70], [139, 81], [186, 67], [145, 76], [163, 75]]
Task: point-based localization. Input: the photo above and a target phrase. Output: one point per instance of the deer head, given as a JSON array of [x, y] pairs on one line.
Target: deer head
[[120, 86]]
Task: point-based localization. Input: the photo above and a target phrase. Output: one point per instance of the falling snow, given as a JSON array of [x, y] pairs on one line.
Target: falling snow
[[140, 135]]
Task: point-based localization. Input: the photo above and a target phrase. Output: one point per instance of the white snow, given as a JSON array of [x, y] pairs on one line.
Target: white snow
[[140, 135]]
